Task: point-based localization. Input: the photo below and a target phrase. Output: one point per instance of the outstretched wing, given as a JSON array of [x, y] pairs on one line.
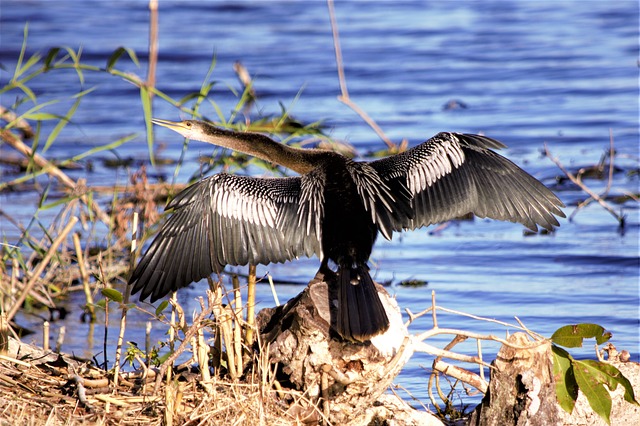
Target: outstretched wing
[[224, 220], [453, 174]]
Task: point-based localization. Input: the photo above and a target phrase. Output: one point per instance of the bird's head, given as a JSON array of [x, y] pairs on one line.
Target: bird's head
[[190, 129]]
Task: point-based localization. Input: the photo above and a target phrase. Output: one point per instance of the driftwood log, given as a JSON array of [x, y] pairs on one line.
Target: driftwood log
[[522, 391], [342, 380]]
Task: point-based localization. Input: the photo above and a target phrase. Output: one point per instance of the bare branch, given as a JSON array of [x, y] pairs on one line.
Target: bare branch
[[344, 97], [582, 186]]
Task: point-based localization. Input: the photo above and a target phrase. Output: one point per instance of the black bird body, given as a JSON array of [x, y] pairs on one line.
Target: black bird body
[[347, 231], [334, 209]]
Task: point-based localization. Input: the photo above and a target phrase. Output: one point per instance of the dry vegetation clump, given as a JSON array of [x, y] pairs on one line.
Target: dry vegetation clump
[[38, 388]]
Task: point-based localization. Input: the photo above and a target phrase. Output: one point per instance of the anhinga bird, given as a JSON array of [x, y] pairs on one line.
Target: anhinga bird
[[334, 209]]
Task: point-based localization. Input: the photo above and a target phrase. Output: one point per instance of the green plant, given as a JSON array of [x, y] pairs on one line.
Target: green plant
[[588, 376]]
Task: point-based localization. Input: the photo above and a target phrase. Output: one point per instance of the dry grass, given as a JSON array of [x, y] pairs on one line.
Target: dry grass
[[51, 389]]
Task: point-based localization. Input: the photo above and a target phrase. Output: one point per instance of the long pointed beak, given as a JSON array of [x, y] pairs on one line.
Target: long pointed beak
[[173, 125]]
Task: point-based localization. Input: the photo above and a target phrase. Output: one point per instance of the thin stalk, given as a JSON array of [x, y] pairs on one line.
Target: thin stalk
[[237, 330], [85, 277], [251, 306], [153, 44], [125, 300]]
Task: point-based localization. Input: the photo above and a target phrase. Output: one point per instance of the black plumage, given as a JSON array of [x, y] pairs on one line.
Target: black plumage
[[334, 209]]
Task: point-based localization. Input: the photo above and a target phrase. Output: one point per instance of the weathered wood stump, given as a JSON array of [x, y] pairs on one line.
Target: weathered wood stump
[[522, 391], [521, 387], [341, 379]]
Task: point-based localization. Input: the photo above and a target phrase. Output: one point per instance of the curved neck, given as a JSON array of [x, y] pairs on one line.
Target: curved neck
[[257, 145]]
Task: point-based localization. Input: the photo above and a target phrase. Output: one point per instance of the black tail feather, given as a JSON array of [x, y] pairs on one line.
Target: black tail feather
[[360, 313]]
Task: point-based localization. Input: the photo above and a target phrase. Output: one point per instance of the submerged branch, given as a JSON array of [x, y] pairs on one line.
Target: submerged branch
[[585, 188]]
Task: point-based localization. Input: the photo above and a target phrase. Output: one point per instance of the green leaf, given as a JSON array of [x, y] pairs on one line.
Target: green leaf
[[189, 96], [566, 386], [612, 377], [35, 113], [26, 90], [145, 97], [60, 201], [591, 381], [75, 58], [112, 294], [115, 56], [162, 358], [51, 56], [23, 50], [41, 116], [20, 67], [571, 336], [161, 307], [66, 119]]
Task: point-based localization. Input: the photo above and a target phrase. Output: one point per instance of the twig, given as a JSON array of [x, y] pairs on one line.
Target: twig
[[197, 323], [153, 44], [237, 329], [344, 97], [147, 344], [201, 354], [45, 336], [437, 331], [227, 333], [479, 346], [582, 186], [432, 350], [611, 158], [82, 393], [60, 339], [247, 83], [172, 342], [4, 332], [434, 309], [273, 290], [413, 317], [397, 386], [251, 305], [85, 277], [106, 313], [459, 373], [533, 334], [125, 301], [20, 123]]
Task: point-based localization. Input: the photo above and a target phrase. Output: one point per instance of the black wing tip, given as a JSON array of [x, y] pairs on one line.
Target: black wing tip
[[148, 292], [550, 221], [150, 287], [138, 287]]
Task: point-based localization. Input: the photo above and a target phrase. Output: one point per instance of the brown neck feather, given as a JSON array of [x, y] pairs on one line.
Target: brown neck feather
[[255, 144]]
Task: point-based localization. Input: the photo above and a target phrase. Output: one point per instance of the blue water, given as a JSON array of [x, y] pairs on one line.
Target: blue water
[[562, 73]]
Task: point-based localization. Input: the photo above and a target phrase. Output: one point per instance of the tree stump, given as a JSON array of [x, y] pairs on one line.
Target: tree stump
[[521, 390], [339, 378]]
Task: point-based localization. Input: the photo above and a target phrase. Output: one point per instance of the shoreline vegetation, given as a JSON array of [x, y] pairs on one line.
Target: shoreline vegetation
[[230, 380]]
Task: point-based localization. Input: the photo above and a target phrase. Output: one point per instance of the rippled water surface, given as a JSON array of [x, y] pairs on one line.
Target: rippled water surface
[[561, 73]]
